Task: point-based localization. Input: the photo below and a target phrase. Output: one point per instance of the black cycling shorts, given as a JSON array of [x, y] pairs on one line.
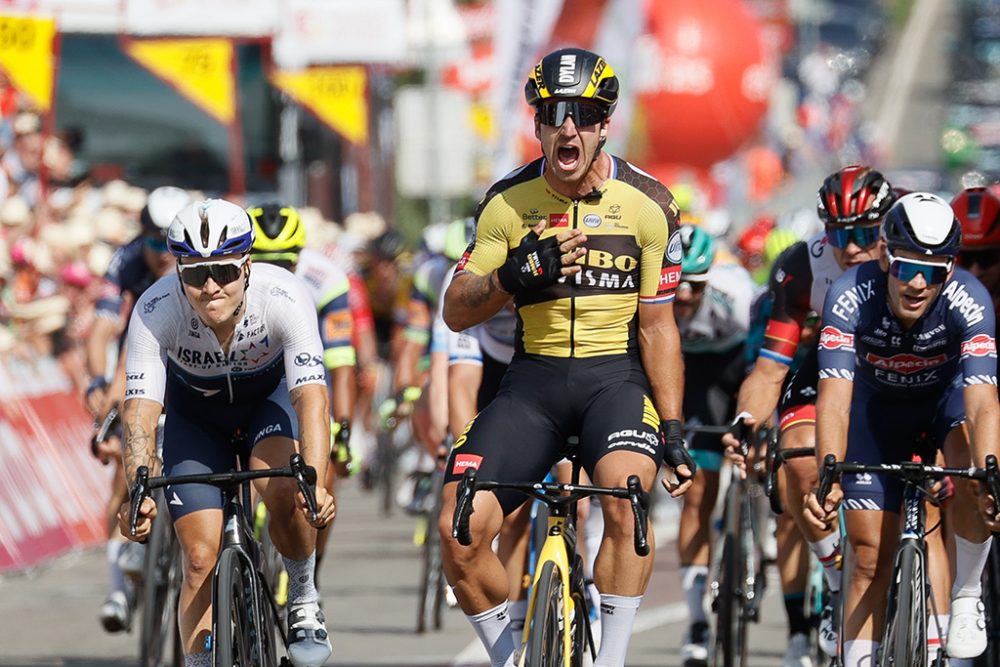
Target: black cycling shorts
[[493, 372], [543, 401], [711, 382]]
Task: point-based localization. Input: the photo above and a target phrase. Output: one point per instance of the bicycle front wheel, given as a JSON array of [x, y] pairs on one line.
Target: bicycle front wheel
[[730, 629], [905, 641], [233, 612], [161, 576], [431, 594], [545, 636]]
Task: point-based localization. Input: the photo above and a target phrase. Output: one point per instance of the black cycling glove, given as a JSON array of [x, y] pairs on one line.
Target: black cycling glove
[[532, 265], [675, 451]]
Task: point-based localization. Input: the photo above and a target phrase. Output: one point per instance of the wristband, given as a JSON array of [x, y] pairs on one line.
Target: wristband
[[99, 382]]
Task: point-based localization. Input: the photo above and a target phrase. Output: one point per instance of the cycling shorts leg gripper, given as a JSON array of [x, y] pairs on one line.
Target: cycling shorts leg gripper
[[708, 461], [620, 418]]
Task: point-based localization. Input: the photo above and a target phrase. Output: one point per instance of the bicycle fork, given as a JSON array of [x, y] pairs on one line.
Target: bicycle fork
[[554, 549]]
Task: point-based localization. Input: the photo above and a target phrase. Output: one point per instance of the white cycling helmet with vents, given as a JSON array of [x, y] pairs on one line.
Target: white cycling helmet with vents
[[210, 228]]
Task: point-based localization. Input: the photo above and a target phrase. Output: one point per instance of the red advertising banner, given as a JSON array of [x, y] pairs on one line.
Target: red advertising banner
[[52, 491]]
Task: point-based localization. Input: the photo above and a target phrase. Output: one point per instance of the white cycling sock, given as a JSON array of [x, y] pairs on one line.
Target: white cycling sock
[[617, 616], [937, 627], [970, 558], [198, 660], [827, 551], [112, 551], [693, 578], [301, 579], [493, 629], [860, 653]]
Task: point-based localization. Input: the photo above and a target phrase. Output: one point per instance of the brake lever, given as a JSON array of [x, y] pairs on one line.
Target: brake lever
[[639, 500], [140, 491], [305, 477], [463, 507], [105, 428]]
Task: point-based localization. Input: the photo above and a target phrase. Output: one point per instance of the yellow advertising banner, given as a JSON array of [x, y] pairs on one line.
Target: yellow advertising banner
[[199, 69], [336, 95], [26, 55]]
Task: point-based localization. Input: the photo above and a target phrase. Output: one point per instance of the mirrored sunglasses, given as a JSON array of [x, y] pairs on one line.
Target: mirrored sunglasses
[[157, 244], [222, 273], [583, 113], [906, 270], [984, 259], [863, 237]]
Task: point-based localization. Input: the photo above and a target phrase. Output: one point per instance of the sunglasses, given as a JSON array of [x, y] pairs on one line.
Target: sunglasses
[[863, 237], [155, 243], [582, 112], [906, 270], [222, 273], [985, 259]]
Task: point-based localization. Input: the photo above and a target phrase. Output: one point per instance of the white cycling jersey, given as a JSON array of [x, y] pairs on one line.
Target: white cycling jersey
[[494, 337], [276, 339], [723, 318]]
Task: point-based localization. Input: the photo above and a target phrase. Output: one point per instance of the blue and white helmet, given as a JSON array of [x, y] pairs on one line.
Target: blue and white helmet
[[210, 228], [161, 208], [924, 223]]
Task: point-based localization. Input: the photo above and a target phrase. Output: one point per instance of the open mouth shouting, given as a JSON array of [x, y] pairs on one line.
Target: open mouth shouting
[[568, 158]]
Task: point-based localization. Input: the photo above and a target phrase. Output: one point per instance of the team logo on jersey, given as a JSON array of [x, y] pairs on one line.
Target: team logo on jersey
[[592, 220], [905, 363], [980, 345], [558, 219], [832, 338], [675, 249]]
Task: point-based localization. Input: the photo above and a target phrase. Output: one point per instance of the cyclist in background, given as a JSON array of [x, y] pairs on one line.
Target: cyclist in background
[[587, 246], [713, 315], [133, 268], [978, 211], [230, 347], [279, 239], [908, 348], [851, 203]]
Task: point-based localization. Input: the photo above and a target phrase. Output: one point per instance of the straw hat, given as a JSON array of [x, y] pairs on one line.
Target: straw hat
[[14, 212], [368, 226]]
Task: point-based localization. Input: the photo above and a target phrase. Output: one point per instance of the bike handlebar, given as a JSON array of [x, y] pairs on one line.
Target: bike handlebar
[[304, 476], [546, 492], [910, 471], [776, 457], [104, 429]]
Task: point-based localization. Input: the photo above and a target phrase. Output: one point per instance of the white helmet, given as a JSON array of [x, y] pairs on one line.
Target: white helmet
[[161, 207], [210, 228]]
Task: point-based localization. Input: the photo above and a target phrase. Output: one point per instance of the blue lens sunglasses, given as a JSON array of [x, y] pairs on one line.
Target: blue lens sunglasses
[[863, 237], [905, 269]]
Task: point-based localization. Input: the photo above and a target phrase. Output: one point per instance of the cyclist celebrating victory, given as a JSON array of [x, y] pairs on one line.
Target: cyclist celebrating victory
[[907, 347], [229, 351], [587, 246]]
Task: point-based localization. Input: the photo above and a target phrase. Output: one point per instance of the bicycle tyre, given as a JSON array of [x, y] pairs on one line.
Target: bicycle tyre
[[385, 470], [431, 594], [906, 619], [730, 627], [579, 629], [161, 577], [232, 612], [545, 636]]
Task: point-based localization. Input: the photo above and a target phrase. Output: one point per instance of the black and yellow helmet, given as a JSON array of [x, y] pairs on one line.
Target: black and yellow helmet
[[573, 73], [280, 234]]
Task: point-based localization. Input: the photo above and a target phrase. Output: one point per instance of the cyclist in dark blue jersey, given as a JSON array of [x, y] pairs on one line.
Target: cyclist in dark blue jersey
[[907, 348]]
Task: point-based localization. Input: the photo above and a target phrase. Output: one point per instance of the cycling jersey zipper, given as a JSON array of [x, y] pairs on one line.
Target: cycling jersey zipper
[[572, 294]]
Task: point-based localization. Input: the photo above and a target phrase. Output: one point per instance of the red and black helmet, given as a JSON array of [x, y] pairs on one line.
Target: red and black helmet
[[855, 195], [978, 210]]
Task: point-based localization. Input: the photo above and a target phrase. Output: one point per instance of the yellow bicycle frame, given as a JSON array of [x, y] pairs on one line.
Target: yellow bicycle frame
[[553, 549]]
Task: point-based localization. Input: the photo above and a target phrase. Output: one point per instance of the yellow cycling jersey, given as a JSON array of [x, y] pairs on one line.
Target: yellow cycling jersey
[[633, 256]]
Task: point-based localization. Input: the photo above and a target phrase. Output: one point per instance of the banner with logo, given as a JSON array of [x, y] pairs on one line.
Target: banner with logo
[[199, 69], [242, 18], [53, 492], [338, 96], [27, 56]]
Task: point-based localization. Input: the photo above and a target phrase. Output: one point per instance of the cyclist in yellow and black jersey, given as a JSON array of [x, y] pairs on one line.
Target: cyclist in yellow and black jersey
[[587, 246]]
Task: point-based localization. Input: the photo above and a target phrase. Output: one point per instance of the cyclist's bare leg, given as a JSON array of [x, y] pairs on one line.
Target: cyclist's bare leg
[[793, 568], [198, 534], [291, 533], [477, 575], [620, 574], [873, 536], [694, 532], [513, 552]]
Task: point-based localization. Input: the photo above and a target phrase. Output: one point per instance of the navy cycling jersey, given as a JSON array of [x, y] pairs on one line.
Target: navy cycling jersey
[[862, 340], [127, 273]]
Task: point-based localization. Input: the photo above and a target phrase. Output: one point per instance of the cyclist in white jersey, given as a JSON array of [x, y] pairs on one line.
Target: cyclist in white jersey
[[230, 347]]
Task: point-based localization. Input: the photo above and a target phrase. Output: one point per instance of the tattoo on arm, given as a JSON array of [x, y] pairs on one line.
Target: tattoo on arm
[[477, 290], [139, 450]]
